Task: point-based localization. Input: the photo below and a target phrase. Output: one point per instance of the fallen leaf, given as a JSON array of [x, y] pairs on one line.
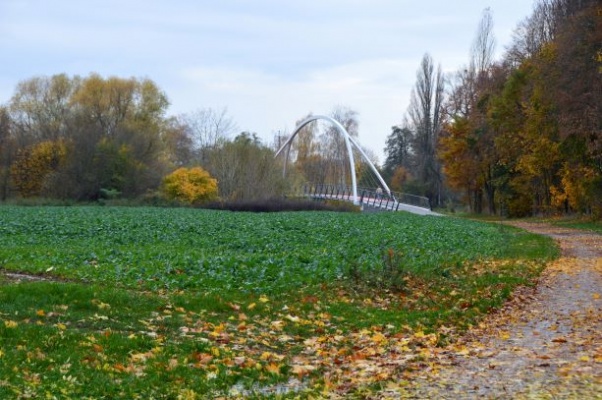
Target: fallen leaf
[[273, 368], [10, 324]]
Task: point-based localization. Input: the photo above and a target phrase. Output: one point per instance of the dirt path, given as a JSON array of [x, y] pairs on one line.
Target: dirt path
[[545, 344]]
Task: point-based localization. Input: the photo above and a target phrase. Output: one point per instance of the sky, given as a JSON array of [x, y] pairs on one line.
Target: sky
[[268, 62]]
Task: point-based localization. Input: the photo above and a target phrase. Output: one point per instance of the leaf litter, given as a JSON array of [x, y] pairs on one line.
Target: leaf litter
[[545, 343]]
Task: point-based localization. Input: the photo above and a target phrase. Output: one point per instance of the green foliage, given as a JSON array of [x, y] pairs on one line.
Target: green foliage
[[188, 303], [190, 185], [218, 250]]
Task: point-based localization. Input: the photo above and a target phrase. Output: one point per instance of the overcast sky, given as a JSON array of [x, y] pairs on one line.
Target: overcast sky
[[270, 62]]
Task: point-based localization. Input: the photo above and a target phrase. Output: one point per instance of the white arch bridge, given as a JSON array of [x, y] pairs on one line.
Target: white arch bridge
[[379, 198]]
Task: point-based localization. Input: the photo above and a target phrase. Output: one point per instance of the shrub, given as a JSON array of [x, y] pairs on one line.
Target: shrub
[[278, 204], [190, 185]]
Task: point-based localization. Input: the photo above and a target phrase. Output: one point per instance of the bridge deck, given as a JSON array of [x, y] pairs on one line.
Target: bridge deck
[[372, 200]]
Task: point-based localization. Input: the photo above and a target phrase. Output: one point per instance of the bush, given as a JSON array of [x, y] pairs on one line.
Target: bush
[[279, 204], [190, 185]]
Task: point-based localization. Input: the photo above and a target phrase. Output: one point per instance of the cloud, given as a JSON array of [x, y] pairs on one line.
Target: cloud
[[267, 103], [269, 61]]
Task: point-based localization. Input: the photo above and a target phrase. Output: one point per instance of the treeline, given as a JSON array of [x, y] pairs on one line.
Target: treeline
[[518, 136], [90, 138]]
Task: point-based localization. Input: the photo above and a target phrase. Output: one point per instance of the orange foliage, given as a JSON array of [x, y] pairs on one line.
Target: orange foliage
[[35, 164], [400, 177], [456, 150]]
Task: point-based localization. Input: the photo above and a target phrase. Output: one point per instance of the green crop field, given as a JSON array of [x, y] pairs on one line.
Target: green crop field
[[182, 303]]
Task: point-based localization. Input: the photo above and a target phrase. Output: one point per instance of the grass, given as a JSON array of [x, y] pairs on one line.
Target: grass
[[183, 303], [580, 223]]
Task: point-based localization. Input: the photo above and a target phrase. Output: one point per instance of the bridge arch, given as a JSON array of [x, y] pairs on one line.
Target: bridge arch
[[349, 142]]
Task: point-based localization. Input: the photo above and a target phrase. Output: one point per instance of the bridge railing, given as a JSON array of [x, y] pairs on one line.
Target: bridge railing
[[369, 197]]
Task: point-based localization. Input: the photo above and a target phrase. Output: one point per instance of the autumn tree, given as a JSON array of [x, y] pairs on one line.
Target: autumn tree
[[119, 134], [400, 178], [526, 131], [41, 108], [461, 168], [111, 130], [32, 172], [307, 156], [577, 90], [466, 147], [190, 185]]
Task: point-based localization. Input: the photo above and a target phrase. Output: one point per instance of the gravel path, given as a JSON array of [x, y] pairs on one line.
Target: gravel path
[[545, 344]]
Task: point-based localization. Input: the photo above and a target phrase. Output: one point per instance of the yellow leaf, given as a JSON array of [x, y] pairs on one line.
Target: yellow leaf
[[187, 394], [584, 358], [40, 313], [10, 324], [292, 318], [462, 350], [504, 335], [596, 296], [172, 363], [273, 368], [61, 326], [301, 370], [277, 325], [263, 299], [251, 306], [379, 338]]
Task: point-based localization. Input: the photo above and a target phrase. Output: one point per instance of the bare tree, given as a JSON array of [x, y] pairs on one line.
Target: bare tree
[[483, 46], [8, 152], [425, 113], [333, 147], [208, 127], [245, 169]]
